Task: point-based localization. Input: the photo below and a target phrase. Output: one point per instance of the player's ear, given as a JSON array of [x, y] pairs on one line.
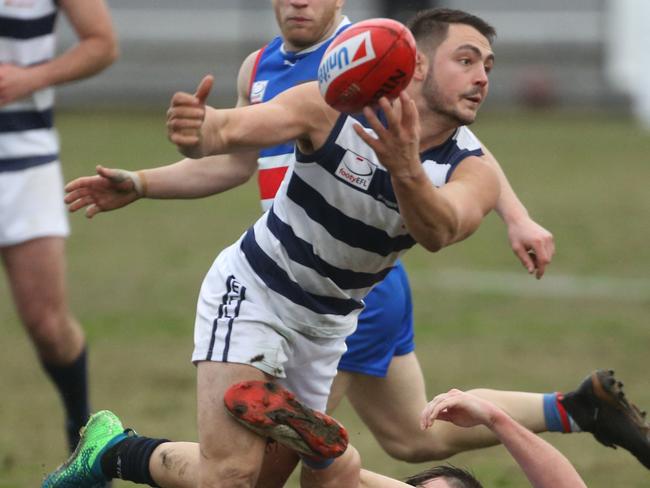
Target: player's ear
[[422, 65]]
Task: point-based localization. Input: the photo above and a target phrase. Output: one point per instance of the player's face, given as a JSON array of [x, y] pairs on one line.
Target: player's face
[[457, 80], [304, 23]]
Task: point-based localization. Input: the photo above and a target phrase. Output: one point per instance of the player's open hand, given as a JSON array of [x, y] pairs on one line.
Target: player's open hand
[[460, 408], [109, 190], [398, 145], [532, 244], [185, 118]]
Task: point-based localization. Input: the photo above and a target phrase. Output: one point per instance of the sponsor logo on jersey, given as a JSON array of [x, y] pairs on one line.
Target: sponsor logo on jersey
[[349, 54], [257, 91], [356, 170]]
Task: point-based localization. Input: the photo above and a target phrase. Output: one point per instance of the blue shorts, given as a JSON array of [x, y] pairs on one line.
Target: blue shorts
[[385, 327]]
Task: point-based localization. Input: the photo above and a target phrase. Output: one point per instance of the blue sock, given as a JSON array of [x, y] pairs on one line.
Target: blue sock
[[556, 417]]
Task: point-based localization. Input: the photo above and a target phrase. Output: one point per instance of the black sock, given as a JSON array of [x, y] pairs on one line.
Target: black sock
[[72, 382], [129, 459]]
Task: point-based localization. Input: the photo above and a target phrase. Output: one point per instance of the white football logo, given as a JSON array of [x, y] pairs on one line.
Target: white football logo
[[343, 57]]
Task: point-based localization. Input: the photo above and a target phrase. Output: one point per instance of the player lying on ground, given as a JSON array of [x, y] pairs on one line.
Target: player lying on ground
[[107, 450]]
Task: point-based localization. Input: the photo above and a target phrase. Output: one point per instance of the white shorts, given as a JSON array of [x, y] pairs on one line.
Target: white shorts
[[31, 204], [233, 325]]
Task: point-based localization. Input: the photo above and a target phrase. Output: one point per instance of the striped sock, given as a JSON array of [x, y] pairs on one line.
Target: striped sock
[[556, 417]]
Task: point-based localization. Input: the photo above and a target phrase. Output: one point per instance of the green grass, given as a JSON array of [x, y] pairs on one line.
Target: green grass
[[134, 277]]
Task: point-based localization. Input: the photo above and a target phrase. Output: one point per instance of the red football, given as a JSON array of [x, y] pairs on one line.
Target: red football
[[365, 62]]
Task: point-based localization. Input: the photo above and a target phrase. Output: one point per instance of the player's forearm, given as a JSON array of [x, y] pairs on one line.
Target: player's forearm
[[543, 465], [508, 206], [196, 178], [89, 56], [429, 217]]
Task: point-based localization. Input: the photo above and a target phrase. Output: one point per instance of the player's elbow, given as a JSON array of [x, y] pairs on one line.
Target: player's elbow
[[441, 235], [109, 50], [105, 50], [113, 52]]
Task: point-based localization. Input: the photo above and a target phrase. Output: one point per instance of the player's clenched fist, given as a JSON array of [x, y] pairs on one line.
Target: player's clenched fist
[[185, 119]]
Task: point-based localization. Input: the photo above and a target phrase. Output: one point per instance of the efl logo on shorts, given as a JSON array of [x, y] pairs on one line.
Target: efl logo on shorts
[[257, 91], [344, 57], [356, 170]]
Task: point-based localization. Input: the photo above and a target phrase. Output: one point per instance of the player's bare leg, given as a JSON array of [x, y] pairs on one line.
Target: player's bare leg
[[272, 411], [402, 397], [230, 454], [175, 465], [36, 272]]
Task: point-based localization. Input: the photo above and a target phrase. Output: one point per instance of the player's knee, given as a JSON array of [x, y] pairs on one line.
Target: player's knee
[[351, 461], [417, 449], [52, 333]]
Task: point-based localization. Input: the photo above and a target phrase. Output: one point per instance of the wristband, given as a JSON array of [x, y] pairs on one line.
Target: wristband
[[141, 185]]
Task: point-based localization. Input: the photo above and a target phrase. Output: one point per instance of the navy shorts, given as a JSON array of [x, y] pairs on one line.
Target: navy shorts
[[385, 327]]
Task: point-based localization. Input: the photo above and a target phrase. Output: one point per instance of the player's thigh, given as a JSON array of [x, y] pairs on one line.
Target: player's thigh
[[340, 387], [36, 272], [391, 406], [230, 453]]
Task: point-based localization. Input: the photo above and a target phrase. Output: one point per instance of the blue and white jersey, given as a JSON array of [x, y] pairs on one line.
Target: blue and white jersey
[[27, 136], [276, 70], [334, 229]]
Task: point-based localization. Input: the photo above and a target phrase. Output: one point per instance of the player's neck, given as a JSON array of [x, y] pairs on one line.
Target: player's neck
[[434, 130]]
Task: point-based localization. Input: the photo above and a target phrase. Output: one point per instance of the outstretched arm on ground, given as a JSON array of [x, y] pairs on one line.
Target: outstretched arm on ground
[[543, 465], [531, 243], [114, 188]]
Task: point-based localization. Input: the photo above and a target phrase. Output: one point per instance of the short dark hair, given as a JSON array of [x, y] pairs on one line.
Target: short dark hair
[[432, 25], [454, 476]]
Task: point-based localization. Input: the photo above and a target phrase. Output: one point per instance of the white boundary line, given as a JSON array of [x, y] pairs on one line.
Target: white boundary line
[[521, 284]]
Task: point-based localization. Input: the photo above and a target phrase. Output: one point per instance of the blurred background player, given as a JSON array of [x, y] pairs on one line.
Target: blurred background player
[[380, 362], [33, 223]]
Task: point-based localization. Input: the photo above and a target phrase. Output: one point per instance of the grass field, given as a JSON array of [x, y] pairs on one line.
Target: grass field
[[134, 277]]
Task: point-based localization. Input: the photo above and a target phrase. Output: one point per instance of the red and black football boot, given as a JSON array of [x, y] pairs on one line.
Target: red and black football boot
[[274, 412]]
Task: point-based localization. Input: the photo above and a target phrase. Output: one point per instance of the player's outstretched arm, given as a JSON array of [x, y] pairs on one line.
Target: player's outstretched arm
[[531, 243], [299, 113], [533, 454]]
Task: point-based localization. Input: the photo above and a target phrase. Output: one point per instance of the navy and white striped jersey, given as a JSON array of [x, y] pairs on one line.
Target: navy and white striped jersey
[[27, 135], [276, 70], [334, 229]]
